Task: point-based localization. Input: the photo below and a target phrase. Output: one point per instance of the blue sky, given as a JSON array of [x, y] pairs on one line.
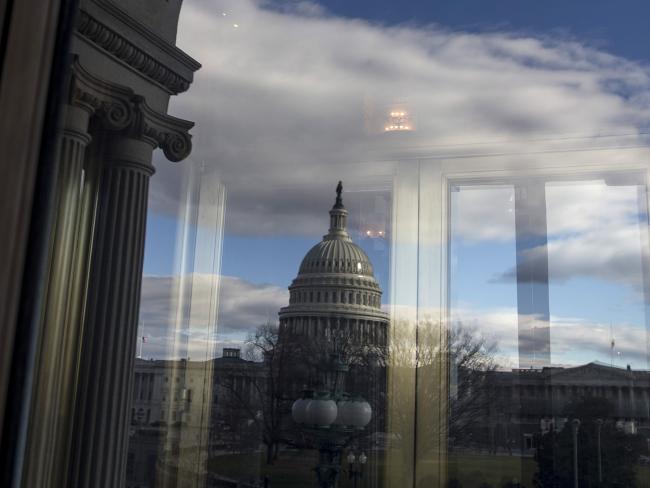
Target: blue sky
[[298, 113], [248, 257], [588, 304], [260, 259], [619, 27]]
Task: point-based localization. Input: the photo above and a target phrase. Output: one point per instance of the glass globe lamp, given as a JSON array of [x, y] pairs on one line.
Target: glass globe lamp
[[299, 407], [321, 411], [355, 412]]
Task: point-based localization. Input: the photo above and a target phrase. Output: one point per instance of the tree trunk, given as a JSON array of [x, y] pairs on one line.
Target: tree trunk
[[276, 449], [270, 458]]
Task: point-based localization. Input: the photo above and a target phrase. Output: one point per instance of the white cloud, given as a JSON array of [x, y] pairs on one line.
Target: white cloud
[[576, 207], [183, 324], [594, 229], [244, 305], [596, 232], [288, 102], [574, 341], [284, 102], [483, 214]]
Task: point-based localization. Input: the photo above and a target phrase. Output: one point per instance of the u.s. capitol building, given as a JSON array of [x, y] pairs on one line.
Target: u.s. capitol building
[[335, 292]]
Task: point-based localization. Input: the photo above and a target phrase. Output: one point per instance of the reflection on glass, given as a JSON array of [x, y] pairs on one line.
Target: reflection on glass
[[282, 401], [450, 328], [475, 314], [547, 342], [173, 378]]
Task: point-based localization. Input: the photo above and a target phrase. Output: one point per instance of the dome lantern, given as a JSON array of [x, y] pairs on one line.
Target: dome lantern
[[338, 218]]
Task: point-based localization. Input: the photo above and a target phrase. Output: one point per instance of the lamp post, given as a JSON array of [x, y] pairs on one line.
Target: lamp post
[[355, 467], [575, 425], [599, 426], [330, 418]]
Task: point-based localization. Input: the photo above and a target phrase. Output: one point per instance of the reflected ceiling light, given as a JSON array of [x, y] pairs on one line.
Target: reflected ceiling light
[[398, 119], [235, 25], [374, 233]]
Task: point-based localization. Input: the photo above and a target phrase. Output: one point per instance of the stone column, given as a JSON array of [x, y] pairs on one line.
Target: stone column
[[53, 385], [619, 401], [108, 349]]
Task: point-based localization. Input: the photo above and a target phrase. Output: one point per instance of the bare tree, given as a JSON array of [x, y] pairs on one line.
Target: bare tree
[[471, 356], [269, 398], [291, 364], [453, 366]]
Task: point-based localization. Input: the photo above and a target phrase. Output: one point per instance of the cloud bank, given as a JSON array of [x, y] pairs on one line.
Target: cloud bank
[[244, 305], [182, 323], [290, 100], [574, 341], [594, 230]]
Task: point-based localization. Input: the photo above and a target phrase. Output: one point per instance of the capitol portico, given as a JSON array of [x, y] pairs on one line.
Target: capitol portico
[[335, 292]]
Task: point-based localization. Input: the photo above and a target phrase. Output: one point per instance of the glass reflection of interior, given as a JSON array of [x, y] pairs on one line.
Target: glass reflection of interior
[[547, 336], [374, 267], [292, 380]]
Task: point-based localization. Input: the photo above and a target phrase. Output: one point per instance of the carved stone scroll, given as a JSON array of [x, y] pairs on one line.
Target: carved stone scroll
[[119, 109]]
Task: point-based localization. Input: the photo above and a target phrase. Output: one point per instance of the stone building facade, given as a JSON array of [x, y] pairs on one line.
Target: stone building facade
[[523, 403], [168, 404]]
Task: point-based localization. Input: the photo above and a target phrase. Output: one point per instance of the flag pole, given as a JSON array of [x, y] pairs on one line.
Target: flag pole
[[141, 340], [612, 344]]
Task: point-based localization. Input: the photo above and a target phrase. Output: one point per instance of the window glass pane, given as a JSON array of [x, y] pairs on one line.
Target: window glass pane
[[483, 300], [564, 365], [353, 244], [597, 230]]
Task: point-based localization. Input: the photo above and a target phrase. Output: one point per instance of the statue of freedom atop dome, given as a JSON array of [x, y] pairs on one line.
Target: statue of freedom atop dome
[[339, 200]]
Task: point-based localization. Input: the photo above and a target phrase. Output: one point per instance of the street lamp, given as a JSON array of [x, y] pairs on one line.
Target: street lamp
[[332, 413], [355, 467], [575, 425], [331, 418], [599, 426]]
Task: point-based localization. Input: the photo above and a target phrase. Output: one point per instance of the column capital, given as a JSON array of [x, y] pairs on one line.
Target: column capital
[[76, 123], [123, 151], [119, 109]]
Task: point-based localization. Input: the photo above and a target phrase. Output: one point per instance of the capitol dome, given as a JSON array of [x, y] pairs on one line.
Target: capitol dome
[[336, 290], [336, 256]]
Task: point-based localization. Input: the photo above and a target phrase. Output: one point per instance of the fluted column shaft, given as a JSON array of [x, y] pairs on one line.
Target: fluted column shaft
[[54, 378], [108, 349]]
